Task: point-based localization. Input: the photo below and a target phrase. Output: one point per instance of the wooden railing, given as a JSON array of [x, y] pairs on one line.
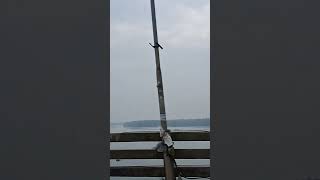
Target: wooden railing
[[158, 171]]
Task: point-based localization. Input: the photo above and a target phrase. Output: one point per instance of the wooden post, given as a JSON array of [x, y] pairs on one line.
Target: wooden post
[[168, 163]]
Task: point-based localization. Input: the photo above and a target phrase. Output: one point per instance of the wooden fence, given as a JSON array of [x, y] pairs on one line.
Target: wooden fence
[[158, 171]]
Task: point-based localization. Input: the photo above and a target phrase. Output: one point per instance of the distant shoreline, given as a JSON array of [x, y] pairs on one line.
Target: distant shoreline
[[173, 123]]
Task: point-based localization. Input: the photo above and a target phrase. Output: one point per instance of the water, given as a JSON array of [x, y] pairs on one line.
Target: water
[[117, 128]]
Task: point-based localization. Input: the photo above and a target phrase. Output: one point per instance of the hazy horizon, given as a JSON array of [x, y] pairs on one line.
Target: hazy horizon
[[124, 121]]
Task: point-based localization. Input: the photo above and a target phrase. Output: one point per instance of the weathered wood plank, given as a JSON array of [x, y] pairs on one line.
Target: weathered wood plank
[[154, 136], [156, 171], [153, 154]]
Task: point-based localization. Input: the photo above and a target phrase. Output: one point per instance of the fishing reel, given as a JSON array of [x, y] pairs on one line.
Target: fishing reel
[[162, 147], [166, 144]]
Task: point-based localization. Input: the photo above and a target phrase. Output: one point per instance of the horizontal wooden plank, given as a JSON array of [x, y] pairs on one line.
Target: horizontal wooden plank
[[153, 154], [154, 171], [154, 136]]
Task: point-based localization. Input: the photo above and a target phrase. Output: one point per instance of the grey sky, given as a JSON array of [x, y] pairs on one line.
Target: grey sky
[[184, 33]]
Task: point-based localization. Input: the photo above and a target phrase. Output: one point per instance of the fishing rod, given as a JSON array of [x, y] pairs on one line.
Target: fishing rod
[[164, 132]]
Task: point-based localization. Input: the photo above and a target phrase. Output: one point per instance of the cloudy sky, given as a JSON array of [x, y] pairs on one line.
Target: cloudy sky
[[184, 33]]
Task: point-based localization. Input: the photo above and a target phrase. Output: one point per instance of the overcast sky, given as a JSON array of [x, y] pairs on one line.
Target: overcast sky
[[184, 33]]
